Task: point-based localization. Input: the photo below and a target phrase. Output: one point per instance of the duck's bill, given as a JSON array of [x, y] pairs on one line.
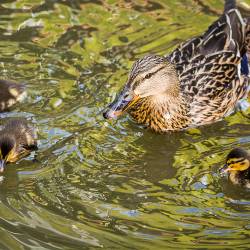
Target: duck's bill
[[122, 103], [2, 165]]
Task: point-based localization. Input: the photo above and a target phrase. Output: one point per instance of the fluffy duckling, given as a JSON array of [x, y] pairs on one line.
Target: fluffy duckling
[[10, 94], [17, 139], [238, 166]]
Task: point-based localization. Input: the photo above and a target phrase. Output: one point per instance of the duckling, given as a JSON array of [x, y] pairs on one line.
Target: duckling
[[10, 94], [238, 166], [197, 84], [17, 139]]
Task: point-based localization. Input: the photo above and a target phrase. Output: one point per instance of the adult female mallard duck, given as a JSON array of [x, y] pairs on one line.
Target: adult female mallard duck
[[10, 94], [198, 83], [238, 166], [17, 139]]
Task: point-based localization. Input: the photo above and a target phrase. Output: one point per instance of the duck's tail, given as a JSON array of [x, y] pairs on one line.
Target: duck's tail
[[229, 4]]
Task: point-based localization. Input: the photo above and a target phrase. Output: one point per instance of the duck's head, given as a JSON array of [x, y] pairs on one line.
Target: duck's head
[[150, 76], [7, 151], [237, 160]]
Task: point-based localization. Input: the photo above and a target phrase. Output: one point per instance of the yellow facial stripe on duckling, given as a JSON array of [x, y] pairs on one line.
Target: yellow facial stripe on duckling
[[234, 160], [239, 165], [12, 156]]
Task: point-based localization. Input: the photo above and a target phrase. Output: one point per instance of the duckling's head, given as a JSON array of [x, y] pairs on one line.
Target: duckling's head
[[7, 150], [237, 160], [151, 76], [10, 94]]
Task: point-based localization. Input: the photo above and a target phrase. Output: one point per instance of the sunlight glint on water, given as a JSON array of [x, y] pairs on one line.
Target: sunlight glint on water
[[104, 184]]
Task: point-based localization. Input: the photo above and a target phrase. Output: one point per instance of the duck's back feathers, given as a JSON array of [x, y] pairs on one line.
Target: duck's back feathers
[[226, 87], [209, 68], [10, 93], [229, 4], [226, 34], [24, 134]]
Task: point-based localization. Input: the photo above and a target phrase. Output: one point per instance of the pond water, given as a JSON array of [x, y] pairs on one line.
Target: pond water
[[111, 185]]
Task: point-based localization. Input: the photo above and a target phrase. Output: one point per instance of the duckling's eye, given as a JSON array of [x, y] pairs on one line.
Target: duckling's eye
[[147, 76]]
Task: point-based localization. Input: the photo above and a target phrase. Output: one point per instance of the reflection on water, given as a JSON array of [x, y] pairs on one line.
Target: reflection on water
[[94, 183]]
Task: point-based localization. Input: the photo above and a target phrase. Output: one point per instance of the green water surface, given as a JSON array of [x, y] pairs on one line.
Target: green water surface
[[111, 185]]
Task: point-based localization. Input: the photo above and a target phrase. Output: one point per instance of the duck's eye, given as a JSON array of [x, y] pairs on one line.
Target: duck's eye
[[147, 76], [127, 97]]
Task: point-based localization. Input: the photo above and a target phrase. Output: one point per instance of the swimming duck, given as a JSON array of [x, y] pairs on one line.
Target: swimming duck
[[10, 94], [199, 83], [17, 139], [238, 166]]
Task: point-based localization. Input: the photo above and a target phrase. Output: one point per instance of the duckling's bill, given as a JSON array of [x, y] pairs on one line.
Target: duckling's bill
[[225, 169], [121, 104]]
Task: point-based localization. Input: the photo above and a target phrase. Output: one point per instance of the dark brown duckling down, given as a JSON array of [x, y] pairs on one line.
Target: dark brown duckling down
[[10, 94], [238, 167], [17, 139]]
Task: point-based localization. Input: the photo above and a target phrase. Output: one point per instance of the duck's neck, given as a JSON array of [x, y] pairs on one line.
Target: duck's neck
[[162, 113]]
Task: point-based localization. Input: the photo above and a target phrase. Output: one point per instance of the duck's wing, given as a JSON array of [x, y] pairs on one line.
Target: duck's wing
[[214, 62], [29, 138], [209, 68], [214, 86], [227, 34]]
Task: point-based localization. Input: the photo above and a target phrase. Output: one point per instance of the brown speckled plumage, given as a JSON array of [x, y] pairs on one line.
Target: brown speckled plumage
[[167, 116], [199, 83], [10, 94]]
